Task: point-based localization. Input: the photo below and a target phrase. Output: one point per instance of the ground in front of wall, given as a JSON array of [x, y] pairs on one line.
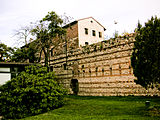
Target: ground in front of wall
[[104, 108]]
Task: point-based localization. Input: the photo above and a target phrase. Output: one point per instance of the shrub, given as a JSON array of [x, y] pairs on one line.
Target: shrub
[[32, 92]]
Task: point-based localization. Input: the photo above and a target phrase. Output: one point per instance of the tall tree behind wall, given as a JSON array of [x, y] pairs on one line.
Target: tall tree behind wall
[[48, 33], [146, 54]]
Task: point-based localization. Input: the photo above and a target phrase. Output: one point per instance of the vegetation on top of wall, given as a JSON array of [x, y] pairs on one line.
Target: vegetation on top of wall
[[101, 46], [126, 38]]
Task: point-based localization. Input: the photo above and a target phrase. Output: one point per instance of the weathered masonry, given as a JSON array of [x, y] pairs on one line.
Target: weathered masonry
[[101, 69]]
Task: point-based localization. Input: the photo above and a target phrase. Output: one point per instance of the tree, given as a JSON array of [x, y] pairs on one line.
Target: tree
[[66, 19], [145, 58], [25, 53], [23, 35], [49, 33], [5, 52], [28, 50], [19, 55]]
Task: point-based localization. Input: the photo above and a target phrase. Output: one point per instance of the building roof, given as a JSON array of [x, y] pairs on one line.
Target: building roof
[[74, 22], [70, 24], [94, 20]]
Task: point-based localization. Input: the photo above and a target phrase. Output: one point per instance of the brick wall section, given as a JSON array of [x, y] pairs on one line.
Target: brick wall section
[[71, 40], [102, 69], [72, 36], [72, 31]]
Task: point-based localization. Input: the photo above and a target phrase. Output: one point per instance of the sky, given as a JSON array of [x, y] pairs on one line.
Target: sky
[[15, 14]]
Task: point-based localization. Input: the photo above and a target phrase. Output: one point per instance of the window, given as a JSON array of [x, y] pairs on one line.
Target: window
[[82, 66], [102, 71], [89, 72], [100, 34], [51, 68], [86, 31], [96, 69], [93, 32], [65, 66], [86, 43], [110, 70], [83, 73]]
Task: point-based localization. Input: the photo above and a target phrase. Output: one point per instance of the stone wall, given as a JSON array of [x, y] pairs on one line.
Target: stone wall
[[102, 69]]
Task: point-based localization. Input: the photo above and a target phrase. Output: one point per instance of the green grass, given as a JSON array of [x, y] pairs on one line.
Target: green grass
[[102, 108]]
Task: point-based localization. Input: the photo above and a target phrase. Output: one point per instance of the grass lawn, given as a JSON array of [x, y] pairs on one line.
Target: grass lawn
[[103, 108]]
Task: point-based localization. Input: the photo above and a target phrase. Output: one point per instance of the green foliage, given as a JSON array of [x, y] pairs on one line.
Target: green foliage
[[48, 33], [146, 54], [54, 24], [154, 110], [26, 53], [6, 52], [20, 55], [31, 92], [101, 108]]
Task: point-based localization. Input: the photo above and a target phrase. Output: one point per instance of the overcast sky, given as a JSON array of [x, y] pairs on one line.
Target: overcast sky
[[15, 14]]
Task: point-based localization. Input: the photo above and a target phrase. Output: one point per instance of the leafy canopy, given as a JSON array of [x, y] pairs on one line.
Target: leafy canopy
[[26, 53], [146, 54], [6, 52], [48, 34]]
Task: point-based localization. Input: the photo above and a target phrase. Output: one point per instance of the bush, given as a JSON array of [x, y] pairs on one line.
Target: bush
[[32, 92]]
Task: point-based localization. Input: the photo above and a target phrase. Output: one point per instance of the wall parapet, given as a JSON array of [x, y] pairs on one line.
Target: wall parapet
[[102, 68]]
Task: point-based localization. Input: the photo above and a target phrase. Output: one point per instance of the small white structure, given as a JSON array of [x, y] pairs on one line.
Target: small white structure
[[5, 75], [8, 70]]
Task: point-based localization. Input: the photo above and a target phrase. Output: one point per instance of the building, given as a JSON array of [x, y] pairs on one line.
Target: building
[[8, 70], [85, 31], [80, 32]]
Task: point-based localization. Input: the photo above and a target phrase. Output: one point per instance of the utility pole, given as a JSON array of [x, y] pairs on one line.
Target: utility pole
[[66, 49]]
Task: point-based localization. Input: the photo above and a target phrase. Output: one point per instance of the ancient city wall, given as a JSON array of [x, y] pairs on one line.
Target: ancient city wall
[[102, 69]]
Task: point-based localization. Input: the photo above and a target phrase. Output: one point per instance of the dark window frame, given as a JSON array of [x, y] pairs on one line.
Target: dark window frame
[[100, 34], [86, 31], [93, 33]]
